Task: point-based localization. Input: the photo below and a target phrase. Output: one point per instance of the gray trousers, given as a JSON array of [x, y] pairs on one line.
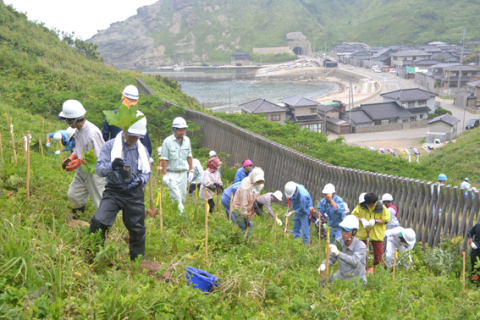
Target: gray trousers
[[83, 185]]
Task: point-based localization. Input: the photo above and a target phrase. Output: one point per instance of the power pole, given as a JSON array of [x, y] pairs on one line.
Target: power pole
[[350, 98], [464, 33]]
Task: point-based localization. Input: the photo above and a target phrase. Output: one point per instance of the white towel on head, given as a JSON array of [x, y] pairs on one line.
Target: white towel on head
[[143, 163]]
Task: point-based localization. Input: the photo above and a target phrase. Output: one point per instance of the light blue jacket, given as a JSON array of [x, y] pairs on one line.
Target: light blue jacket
[[301, 201], [240, 175], [334, 216]]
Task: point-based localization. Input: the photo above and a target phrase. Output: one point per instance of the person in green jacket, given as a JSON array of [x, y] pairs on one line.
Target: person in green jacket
[[374, 217]]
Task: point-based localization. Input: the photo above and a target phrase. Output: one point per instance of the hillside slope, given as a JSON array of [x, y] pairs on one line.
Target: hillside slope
[[181, 31]]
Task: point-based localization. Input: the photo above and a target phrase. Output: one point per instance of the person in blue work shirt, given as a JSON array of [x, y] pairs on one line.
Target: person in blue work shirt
[[66, 136], [332, 206], [228, 195], [303, 206], [129, 98], [244, 171], [124, 189]]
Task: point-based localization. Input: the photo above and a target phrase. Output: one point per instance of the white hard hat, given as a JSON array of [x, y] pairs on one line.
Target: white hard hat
[[57, 136], [131, 92], [278, 194], [409, 236], [179, 123], [212, 154], [361, 199], [139, 128], [349, 223], [290, 188], [71, 109], [159, 150], [329, 188], [387, 197], [70, 132]]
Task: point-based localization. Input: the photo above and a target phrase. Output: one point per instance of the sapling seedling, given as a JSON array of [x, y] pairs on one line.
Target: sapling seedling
[[90, 161]]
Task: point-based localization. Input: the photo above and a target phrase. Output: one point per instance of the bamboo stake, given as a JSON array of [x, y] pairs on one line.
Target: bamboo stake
[[328, 252], [320, 237], [394, 264], [463, 271], [13, 141], [159, 203], [196, 192], [206, 224], [286, 219], [1, 148], [217, 200], [275, 230], [41, 146], [6, 116], [61, 150], [43, 127], [28, 164], [230, 208]]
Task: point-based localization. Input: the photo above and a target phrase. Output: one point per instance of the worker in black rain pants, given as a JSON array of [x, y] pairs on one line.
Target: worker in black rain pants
[[123, 192]]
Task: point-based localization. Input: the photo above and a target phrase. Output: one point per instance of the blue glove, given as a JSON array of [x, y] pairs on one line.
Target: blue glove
[[136, 181], [118, 164]]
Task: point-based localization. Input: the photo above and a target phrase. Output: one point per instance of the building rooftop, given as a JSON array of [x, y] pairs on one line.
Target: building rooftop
[[447, 118], [475, 84], [360, 116], [410, 53], [299, 101], [419, 110], [261, 106], [385, 110], [405, 95]]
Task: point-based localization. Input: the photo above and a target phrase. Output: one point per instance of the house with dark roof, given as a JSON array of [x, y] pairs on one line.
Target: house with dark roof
[[417, 101], [271, 111], [424, 64], [432, 78], [405, 58], [383, 55], [451, 75], [304, 112], [443, 128], [382, 113], [469, 98], [240, 58]]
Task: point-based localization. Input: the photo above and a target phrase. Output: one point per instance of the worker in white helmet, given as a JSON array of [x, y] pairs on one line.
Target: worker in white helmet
[[129, 98], [332, 207], [124, 162], [400, 239], [198, 174], [387, 201], [302, 206], [63, 136], [265, 200], [87, 137], [352, 256], [177, 162]]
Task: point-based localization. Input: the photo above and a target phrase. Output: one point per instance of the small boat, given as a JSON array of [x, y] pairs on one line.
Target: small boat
[[176, 67]]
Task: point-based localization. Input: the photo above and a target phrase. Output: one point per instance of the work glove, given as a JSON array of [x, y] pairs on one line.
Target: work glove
[[474, 246], [280, 223], [67, 161], [166, 180], [334, 250], [321, 268], [118, 163], [136, 181], [288, 214], [371, 223], [365, 223], [218, 186], [74, 164], [48, 145], [190, 176]]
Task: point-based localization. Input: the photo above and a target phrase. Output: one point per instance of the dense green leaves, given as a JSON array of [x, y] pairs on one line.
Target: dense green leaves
[[124, 118], [90, 161]]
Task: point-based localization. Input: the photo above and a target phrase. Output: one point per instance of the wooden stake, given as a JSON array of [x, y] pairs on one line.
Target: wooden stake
[[1, 148], [328, 252], [28, 164], [6, 116], [320, 238], [61, 150], [13, 141], [275, 230], [394, 264], [217, 200], [227, 183], [230, 208], [206, 224], [286, 219], [159, 203], [196, 192], [463, 271], [152, 211], [43, 128], [41, 145]]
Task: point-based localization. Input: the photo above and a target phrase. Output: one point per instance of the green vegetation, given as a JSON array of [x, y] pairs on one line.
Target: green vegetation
[[124, 118], [439, 112], [272, 57]]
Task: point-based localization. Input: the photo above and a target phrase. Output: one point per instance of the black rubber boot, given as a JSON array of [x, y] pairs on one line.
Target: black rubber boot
[[76, 214]]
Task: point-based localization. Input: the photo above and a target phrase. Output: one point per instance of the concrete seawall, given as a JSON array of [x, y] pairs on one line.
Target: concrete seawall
[[202, 76]]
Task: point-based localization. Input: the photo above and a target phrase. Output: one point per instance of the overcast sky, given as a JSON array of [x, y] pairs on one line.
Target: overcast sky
[[83, 17]]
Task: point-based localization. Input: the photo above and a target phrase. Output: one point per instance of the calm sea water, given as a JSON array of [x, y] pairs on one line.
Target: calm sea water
[[233, 93]]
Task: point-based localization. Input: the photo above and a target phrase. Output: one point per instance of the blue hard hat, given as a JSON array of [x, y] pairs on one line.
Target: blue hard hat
[[442, 177], [466, 179]]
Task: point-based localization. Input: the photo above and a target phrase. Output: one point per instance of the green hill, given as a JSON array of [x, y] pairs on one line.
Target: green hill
[[176, 31]]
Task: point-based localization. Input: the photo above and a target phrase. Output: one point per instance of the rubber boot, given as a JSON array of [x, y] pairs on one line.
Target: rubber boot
[[75, 214]]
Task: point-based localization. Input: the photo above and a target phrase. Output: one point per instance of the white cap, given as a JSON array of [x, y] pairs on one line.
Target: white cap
[[361, 199], [71, 109], [139, 128], [57, 136], [70, 132], [349, 222], [290, 188], [159, 150], [212, 154], [409, 236], [278, 194], [387, 197], [131, 92], [179, 123], [329, 188]]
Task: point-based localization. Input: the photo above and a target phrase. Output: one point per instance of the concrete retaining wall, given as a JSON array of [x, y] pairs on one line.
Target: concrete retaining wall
[[393, 127]]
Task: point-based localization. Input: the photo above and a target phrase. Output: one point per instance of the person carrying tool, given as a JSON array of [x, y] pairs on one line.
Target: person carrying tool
[[88, 137], [465, 184], [266, 200], [212, 154], [400, 239], [65, 136], [211, 182], [177, 161], [331, 206], [387, 200], [302, 206], [351, 259], [227, 197], [374, 217], [244, 200], [244, 171], [129, 98], [123, 193], [474, 240], [198, 173]]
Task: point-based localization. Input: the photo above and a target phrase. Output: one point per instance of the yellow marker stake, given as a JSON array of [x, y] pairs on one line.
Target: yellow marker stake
[[394, 264], [328, 251], [13, 140], [275, 229], [41, 145], [320, 238], [196, 192], [206, 224], [159, 203]]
